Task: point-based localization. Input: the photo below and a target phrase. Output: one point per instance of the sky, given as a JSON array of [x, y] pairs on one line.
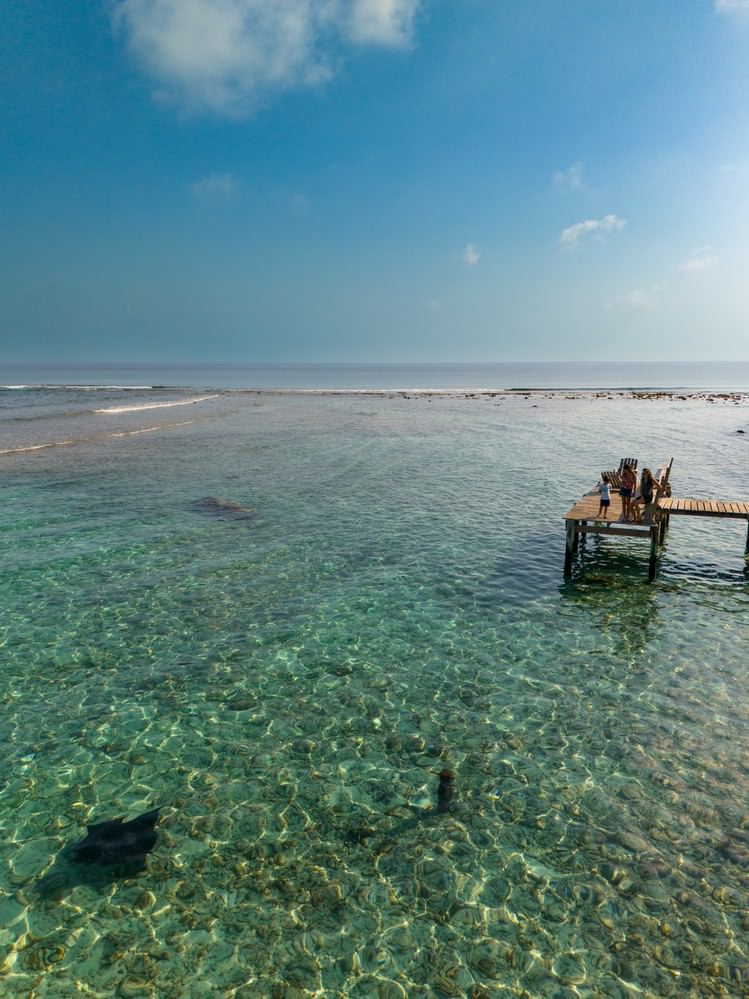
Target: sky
[[239, 181]]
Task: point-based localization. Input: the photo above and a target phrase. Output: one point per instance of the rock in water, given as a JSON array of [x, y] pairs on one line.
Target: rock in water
[[223, 507]]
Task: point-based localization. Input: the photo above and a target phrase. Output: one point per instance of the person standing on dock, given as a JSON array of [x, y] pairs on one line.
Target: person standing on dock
[[605, 490], [627, 491]]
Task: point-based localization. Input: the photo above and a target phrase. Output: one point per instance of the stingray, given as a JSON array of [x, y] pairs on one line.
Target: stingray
[[118, 842], [223, 508]]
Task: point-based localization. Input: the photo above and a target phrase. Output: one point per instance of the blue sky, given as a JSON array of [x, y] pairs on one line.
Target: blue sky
[[374, 180]]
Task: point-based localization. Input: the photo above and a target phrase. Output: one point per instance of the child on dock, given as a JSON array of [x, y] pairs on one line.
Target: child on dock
[[605, 490]]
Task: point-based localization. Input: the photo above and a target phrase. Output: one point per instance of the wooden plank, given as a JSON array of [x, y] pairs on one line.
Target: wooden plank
[[614, 529], [587, 507]]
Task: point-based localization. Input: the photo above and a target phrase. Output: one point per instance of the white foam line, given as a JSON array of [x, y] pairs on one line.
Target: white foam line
[[35, 447], [156, 405], [148, 430], [98, 437]]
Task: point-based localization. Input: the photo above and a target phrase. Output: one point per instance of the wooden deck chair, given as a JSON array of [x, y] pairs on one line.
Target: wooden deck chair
[[662, 476], [615, 475]]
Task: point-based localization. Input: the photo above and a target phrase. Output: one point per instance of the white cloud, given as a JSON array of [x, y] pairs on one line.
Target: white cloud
[[221, 185], [382, 22], [227, 56], [471, 255], [732, 6], [609, 223], [700, 260], [570, 179]]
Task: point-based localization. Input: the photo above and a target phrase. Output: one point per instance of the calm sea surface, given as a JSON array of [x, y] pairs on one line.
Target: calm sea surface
[[286, 685], [583, 375]]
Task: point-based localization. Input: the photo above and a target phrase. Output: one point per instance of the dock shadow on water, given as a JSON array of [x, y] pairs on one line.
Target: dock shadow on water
[[499, 583]]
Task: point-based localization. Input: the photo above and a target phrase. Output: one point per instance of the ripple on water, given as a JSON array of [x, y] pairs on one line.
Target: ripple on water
[[288, 694]]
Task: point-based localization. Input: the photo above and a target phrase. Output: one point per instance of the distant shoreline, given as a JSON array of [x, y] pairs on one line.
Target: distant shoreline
[[216, 391], [439, 378]]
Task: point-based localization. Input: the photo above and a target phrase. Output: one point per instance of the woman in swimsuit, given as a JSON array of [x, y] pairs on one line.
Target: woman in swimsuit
[[649, 488], [627, 491]]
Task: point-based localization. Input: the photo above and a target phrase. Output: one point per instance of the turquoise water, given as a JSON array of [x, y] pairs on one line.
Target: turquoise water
[[287, 685]]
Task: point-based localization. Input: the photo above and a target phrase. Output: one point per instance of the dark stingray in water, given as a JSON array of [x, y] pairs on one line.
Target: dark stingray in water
[[445, 790], [118, 842], [223, 508]]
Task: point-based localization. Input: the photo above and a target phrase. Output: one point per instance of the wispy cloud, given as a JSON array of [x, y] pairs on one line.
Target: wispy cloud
[[228, 56], [732, 6], [570, 179], [700, 260], [216, 185], [591, 227], [471, 255], [381, 22], [638, 300]]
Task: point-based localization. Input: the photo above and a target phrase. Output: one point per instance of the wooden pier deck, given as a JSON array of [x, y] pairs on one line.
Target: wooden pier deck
[[583, 519], [705, 508]]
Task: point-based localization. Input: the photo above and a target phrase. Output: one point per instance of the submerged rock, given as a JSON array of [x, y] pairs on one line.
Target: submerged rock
[[223, 507]]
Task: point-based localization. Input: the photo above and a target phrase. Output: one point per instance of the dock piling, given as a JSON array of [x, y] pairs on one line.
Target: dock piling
[[654, 536], [569, 548]]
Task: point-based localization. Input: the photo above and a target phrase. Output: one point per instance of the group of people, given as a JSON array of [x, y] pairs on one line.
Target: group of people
[[637, 504]]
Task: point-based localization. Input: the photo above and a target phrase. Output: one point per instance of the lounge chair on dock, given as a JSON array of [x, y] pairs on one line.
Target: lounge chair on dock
[[615, 475]]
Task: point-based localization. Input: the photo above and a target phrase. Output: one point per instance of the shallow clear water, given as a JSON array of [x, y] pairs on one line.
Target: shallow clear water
[[287, 685]]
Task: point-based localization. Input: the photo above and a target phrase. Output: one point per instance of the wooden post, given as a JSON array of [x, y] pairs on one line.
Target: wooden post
[[662, 528], [746, 550], [569, 548], [653, 553]]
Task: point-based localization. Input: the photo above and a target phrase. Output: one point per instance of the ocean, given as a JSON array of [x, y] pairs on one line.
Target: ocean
[[277, 613], [716, 375]]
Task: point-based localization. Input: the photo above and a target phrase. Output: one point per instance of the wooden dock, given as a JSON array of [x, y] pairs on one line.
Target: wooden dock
[[582, 519]]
